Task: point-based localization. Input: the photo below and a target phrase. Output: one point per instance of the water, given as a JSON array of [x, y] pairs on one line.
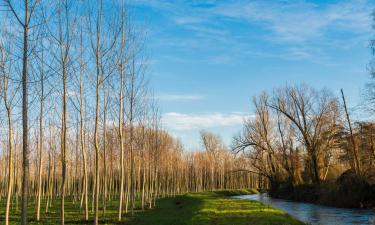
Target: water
[[316, 214]]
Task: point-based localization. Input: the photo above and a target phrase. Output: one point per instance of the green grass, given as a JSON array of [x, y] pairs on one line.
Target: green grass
[[72, 213], [212, 208], [207, 208]]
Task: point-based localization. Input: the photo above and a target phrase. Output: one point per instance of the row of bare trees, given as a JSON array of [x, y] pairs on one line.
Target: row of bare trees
[[301, 135], [161, 168], [81, 123]]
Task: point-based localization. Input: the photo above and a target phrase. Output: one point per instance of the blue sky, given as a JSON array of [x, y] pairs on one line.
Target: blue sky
[[208, 58]]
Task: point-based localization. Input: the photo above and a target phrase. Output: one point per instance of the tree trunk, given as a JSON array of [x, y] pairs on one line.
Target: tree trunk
[[25, 129], [40, 144]]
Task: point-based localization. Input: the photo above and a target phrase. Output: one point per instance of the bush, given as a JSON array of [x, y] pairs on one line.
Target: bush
[[349, 191], [353, 191]]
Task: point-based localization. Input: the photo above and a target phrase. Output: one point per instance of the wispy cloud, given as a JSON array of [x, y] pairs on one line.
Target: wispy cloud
[[297, 30], [180, 97], [157, 4], [291, 21], [180, 121], [183, 20], [298, 21]]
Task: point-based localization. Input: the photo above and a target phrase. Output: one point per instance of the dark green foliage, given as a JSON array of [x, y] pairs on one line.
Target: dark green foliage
[[355, 191], [348, 191]]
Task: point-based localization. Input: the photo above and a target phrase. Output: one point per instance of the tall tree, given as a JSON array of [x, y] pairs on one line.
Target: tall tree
[[356, 163], [24, 22], [97, 49], [82, 125], [314, 116], [63, 41], [41, 138], [122, 65], [4, 71]]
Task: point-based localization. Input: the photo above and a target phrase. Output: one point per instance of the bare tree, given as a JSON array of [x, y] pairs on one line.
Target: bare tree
[[63, 41], [41, 138], [314, 115], [122, 65], [4, 71], [356, 163], [106, 93], [211, 142], [82, 126], [97, 54], [24, 21], [259, 135]]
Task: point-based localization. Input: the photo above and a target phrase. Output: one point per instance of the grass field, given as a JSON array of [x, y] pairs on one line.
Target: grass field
[[207, 208]]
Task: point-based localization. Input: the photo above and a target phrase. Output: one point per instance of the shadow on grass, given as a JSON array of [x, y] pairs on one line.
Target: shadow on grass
[[178, 210]]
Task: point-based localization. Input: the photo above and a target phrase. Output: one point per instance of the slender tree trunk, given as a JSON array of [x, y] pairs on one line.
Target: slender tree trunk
[[106, 95], [82, 134], [10, 133], [97, 104], [96, 143], [131, 110], [49, 185], [357, 166], [120, 116], [25, 129], [63, 148], [64, 45], [40, 143]]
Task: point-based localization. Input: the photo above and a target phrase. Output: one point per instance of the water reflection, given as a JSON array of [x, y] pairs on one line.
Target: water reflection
[[317, 214]]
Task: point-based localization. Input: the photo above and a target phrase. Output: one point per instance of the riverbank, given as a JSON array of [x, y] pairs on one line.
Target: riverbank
[[208, 208], [315, 214], [348, 191]]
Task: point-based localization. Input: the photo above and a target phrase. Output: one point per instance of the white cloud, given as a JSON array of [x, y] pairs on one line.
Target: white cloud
[[183, 20], [157, 4], [180, 97], [180, 121]]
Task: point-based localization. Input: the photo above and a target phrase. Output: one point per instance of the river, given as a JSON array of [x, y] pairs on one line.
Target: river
[[317, 214]]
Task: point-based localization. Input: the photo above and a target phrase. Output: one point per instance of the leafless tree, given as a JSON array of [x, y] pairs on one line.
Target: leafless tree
[[5, 70], [24, 20]]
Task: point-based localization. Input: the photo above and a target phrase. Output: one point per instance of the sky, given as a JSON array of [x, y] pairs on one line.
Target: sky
[[208, 58]]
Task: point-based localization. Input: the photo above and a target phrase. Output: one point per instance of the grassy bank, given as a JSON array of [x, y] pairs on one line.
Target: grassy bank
[[212, 208], [190, 209]]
